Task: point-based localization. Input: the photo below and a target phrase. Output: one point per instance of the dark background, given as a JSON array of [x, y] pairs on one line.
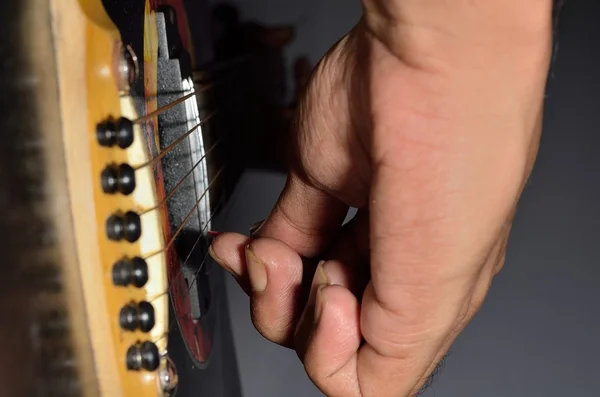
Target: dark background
[[538, 332]]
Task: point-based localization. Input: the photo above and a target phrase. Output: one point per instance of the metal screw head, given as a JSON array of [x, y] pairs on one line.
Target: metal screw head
[[125, 67], [168, 378]]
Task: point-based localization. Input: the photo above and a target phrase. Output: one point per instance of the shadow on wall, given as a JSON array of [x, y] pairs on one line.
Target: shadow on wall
[[251, 84]]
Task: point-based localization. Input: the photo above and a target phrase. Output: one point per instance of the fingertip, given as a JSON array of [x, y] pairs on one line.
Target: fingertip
[[336, 273], [279, 258], [275, 272], [328, 274], [337, 311], [228, 251], [257, 270], [337, 333], [330, 358]]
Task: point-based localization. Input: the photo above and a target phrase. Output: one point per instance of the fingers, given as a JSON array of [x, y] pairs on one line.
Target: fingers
[[305, 217], [331, 356], [346, 266], [228, 250], [277, 279], [328, 334], [271, 273], [276, 273], [328, 341], [331, 272], [328, 338]]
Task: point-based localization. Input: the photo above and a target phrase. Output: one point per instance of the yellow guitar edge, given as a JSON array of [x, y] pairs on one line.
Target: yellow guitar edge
[[85, 39], [94, 10]]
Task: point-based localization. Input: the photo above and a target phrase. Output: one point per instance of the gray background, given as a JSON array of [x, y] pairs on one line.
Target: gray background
[[538, 332]]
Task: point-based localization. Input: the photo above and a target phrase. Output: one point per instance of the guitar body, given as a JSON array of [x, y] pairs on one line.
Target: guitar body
[[69, 68]]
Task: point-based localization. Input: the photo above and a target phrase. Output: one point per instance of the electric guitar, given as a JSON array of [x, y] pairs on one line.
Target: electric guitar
[[122, 141]]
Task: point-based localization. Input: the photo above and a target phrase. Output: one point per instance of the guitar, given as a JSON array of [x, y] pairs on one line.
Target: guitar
[[121, 145]]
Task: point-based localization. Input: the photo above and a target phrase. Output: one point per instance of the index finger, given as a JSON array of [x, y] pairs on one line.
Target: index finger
[[305, 217]]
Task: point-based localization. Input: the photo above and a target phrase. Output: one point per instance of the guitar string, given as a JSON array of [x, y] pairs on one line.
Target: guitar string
[[238, 101], [172, 146], [164, 108], [201, 235], [191, 285], [182, 179], [168, 107], [201, 85], [187, 217]]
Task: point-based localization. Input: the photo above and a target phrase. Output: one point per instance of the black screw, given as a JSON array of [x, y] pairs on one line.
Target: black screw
[[110, 133], [146, 316], [118, 178], [142, 356], [106, 133], [140, 316], [124, 133], [128, 318], [124, 227], [130, 271]]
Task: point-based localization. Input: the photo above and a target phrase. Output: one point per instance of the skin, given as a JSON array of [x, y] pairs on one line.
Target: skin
[[427, 117]]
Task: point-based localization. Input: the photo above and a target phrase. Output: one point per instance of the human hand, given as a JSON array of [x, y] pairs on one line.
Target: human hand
[[427, 118]]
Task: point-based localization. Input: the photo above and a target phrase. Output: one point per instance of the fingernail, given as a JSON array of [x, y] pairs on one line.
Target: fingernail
[[255, 228], [220, 261], [256, 271], [212, 233], [321, 277], [321, 281], [319, 303]]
